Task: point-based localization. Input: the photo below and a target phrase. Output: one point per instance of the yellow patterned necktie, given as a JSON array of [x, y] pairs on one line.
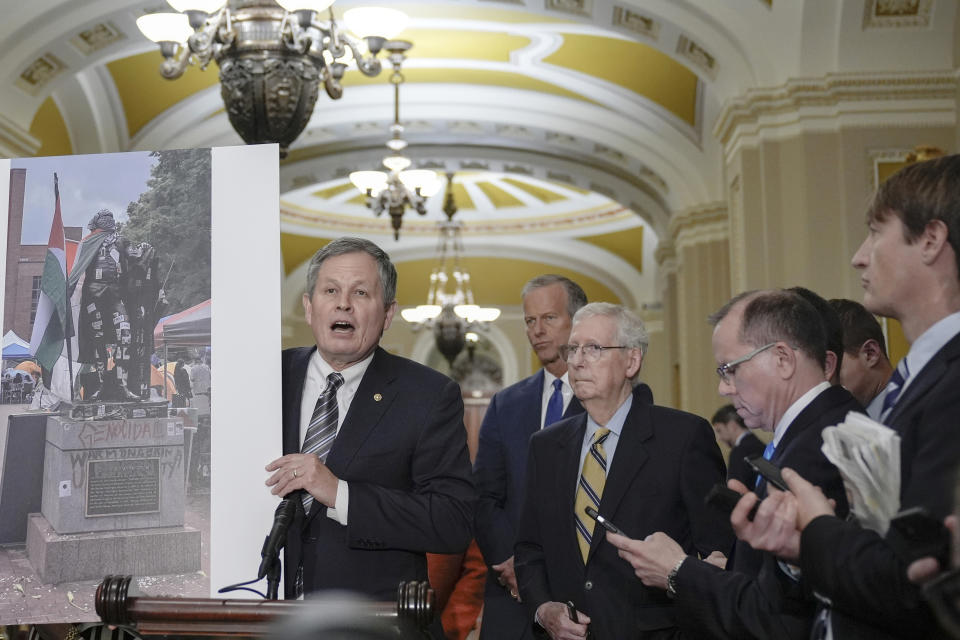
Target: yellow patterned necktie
[[589, 490]]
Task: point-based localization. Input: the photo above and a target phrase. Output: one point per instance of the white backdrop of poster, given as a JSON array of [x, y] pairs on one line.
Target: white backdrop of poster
[[245, 328], [245, 345]]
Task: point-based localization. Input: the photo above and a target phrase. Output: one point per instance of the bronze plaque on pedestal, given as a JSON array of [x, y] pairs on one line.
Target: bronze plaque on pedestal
[[123, 487]]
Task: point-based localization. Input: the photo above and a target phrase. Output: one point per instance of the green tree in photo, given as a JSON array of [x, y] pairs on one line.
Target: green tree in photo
[[173, 215]]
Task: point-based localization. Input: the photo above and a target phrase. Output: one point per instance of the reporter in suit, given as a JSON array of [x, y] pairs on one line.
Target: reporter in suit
[[514, 414], [396, 482], [660, 464], [729, 427], [909, 271], [771, 349]]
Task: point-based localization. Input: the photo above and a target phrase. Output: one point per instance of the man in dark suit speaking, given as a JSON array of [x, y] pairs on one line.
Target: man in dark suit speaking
[[646, 468], [374, 444]]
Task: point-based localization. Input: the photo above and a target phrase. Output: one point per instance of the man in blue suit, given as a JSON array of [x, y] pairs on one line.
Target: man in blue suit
[[549, 302], [374, 444]]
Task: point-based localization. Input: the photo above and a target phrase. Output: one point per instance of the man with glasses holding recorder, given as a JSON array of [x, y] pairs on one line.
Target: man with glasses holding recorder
[[645, 468]]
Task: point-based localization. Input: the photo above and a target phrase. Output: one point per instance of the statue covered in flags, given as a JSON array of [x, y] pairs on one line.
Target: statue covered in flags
[[119, 299]]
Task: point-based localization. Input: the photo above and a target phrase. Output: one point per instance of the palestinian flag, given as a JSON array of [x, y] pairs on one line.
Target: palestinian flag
[[49, 327]]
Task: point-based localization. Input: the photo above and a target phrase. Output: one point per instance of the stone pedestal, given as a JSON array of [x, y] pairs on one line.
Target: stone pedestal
[[108, 475], [113, 501], [90, 556]]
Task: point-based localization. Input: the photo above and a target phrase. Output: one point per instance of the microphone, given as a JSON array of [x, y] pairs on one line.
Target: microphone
[[282, 518]]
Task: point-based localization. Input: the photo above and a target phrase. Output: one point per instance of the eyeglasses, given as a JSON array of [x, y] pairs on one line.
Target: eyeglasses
[[727, 369], [591, 352]]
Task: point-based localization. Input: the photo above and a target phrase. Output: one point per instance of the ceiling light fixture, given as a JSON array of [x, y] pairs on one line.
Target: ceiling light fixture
[[273, 56], [450, 312], [393, 192]]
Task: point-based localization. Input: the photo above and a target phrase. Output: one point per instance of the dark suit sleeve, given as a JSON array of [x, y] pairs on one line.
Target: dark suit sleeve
[[701, 466], [861, 575], [713, 603], [435, 514], [854, 567], [494, 531], [529, 559]]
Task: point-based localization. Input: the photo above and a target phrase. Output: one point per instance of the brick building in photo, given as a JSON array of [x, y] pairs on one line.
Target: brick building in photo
[[25, 262]]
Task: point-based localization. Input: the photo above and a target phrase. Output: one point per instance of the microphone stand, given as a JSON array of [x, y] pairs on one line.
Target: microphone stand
[[273, 572], [270, 565]]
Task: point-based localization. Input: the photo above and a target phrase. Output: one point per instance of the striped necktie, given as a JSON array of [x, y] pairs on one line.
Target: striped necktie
[[894, 387], [323, 426], [554, 404], [767, 454], [589, 490]]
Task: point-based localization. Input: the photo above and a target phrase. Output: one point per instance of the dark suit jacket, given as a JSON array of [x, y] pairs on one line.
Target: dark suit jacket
[[665, 463], [405, 459], [854, 567], [500, 473], [755, 599], [737, 467]]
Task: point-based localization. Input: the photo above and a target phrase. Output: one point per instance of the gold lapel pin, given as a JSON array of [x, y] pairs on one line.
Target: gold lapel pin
[[377, 397]]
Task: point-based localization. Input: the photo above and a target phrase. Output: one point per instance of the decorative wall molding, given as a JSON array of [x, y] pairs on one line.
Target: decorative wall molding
[[898, 99], [896, 14], [14, 141], [665, 255], [39, 73], [650, 175], [876, 157], [576, 7], [636, 22], [697, 56], [98, 36], [697, 225]]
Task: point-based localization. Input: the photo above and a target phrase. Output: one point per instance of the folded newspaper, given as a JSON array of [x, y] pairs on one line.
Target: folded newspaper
[[868, 457]]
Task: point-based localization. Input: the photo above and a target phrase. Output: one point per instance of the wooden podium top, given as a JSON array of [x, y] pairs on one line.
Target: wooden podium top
[[412, 613]]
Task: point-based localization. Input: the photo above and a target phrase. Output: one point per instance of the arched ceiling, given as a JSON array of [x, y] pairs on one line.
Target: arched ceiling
[[577, 128]]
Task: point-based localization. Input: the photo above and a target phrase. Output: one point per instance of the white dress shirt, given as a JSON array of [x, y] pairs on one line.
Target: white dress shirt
[[313, 386]]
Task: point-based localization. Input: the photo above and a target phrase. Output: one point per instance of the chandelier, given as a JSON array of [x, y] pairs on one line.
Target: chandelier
[[273, 55], [393, 192], [450, 309]]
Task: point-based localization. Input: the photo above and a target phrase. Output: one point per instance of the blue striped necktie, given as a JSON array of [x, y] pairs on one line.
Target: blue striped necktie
[[767, 454], [894, 387], [554, 404], [323, 427]]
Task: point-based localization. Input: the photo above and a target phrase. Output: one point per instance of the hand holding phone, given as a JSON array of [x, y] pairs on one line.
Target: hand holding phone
[[768, 470], [606, 524], [572, 611], [914, 534]]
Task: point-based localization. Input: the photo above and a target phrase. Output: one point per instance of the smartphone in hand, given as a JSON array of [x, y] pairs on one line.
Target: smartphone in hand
[[914, 533], [606, 524], [768, 470]]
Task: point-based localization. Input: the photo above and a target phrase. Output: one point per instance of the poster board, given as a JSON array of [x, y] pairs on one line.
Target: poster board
[[245, 268]]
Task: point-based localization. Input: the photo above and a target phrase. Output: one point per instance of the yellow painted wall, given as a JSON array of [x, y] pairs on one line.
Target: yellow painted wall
[[48, 126]]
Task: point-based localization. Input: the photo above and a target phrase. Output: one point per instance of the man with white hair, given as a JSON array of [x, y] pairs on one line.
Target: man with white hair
[[645, 467]]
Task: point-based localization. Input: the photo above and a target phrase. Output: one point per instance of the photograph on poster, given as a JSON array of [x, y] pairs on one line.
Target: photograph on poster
[[115, 251]]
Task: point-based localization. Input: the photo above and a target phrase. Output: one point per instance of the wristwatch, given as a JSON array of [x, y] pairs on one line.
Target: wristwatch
[[672, 579]]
